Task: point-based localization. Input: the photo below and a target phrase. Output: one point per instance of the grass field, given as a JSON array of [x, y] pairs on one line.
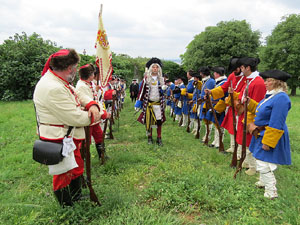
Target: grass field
[[183, 182]]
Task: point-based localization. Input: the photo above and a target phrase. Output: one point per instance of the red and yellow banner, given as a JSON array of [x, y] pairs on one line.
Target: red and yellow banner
[[103, 54]]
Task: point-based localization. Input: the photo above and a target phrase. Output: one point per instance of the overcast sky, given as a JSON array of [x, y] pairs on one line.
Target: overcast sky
[[161, 28]]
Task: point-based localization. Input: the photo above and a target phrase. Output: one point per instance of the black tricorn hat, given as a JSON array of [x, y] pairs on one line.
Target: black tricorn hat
[[219, 69], [197, 75], [205, 70], [276, 74], [233, 64], [249, 61], [179, 77], [167, 81], [154, 60]]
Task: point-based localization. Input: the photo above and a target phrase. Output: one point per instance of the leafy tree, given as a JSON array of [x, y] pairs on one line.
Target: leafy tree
[[123, 65], [217, 44], [172, 69], [282, 50], [22, 59]]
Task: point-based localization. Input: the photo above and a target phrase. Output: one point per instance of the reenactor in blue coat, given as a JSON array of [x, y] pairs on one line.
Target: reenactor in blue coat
[[270, 144], [208, 83], [187, 95], [179, 85], [218, 104], [195, 103]]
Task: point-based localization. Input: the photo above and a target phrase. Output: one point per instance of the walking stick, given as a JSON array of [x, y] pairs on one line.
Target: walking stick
[[234, 155], [93, 195], [243, 156]]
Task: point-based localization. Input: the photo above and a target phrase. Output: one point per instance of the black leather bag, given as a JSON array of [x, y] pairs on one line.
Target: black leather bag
[[48, 153]]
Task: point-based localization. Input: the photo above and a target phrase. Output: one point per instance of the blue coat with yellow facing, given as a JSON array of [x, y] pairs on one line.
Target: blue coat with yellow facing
[[272, 112]]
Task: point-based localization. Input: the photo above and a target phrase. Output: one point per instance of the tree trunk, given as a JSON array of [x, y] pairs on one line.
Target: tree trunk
[[293, 91]]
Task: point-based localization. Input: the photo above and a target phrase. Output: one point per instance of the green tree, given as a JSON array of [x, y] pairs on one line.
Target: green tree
[[123, 66], [172, 69], [22, 59], [217, 44], [282, 50]]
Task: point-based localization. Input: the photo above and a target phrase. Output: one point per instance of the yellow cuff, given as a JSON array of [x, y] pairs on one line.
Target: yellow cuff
[[272, 136], [235, 97], [217, 93], [252, 105], [190, 96], [183, 91], [194, 108], [250, 117], [199, 85], [220, 106]]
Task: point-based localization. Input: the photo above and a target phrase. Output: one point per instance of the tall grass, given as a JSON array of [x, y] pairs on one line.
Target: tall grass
[[183, 182]]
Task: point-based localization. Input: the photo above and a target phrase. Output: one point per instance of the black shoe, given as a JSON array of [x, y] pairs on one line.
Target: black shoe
[[159, 142], [64, 196], [211, 145], [75, 189], [150, 140]]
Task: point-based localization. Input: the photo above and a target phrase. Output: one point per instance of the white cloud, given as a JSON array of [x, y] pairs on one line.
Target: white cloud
[[137, 28]]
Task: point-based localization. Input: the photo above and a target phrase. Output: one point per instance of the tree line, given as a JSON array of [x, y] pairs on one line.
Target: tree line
[[22, 57], [217, 44]]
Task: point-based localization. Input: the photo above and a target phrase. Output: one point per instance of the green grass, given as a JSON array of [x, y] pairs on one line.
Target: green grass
[[183, 182]]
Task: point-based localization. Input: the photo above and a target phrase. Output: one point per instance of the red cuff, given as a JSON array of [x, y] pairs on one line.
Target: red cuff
[[88, 106], [108, 94], [104, 116]]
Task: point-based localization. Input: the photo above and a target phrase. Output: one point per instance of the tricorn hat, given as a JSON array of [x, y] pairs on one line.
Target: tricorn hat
[[233, 64], [197, 75], [276, 74], [154, 60], [205, 70], [218, 69], [249, 61]]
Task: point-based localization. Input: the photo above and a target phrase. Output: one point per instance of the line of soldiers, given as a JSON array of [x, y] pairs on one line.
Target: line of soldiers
[[226, 103], [61, 107]]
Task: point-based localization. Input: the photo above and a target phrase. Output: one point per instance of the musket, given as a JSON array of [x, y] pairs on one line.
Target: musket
[[103, 143], [181, 119], [243, 155], [197, 136], [93, 195], [189, 117], [111, 121], [221, 145], [174, 115], [207, 124], [171, 98], [234, 155]]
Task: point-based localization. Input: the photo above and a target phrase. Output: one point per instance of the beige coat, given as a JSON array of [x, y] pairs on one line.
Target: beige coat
[[57, 104], [86, 94]]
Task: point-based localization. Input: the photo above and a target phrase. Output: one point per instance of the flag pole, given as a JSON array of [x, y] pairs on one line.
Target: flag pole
[[101, 7]]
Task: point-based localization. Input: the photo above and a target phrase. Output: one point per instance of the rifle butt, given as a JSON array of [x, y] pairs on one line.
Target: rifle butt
[[234, 156], [93, 197]]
